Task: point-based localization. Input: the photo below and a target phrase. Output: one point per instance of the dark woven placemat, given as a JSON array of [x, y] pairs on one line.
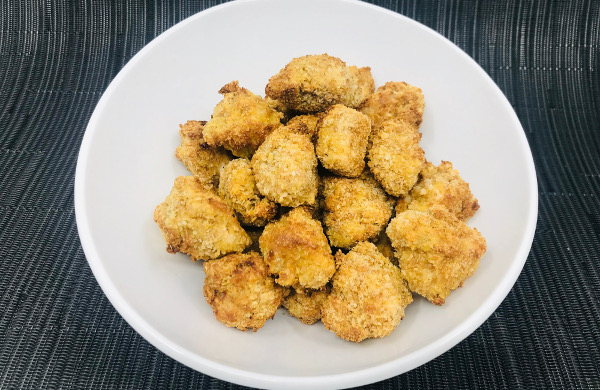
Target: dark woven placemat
[[58, 330]]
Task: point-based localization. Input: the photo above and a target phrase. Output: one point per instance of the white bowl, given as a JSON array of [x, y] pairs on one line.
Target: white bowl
[[127, 166]]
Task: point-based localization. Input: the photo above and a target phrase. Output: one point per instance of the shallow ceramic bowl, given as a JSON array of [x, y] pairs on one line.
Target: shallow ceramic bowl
[[127, 166]]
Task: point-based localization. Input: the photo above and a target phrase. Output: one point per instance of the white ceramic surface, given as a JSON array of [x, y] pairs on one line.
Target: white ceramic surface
[[126, 167]]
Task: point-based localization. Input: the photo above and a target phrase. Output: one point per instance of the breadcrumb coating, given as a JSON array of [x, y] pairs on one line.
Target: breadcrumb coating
[[355, 209], [238, 188], [241, 121], [384, 246], [285, 168], [368, 297], [197, 222], [305, 304], [395, 101], [437, 252], [202, 160], [342, 138], [312, 83], [395, 157], [296, 250], [305, 124], [240, 291], [442, 185]]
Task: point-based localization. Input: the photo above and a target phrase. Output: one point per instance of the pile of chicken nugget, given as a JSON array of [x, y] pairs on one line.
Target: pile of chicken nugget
[[319, 198]]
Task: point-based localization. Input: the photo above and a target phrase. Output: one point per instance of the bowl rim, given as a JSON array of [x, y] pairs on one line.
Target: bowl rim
[[248, 378]]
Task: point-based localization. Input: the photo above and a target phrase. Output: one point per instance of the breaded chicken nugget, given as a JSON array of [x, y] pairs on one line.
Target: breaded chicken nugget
[[241, 121], [342, 138], [305, 124], [314, 82], [296, 250], [285, 168], [395, 157], [305, 304], [238, 188], [442, 185], [202, 160], [240, 291], [437, 252], [368, 297], [355, 209], [196, 221], [395, 101]]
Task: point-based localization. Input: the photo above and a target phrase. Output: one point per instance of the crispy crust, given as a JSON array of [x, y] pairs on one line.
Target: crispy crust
[[296, 250], [305, 124], [241, 292], [202, 160], [305, 304], [285, 168], [437, 252], [355, 209], [342, 139], [442, 185], [368, 297], [395, 101], [241, 121], [238, 188], [197, 222], [395, 157], [314, 82]]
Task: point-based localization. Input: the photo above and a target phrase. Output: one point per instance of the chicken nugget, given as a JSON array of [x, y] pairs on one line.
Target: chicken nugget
[[202, 160], [442, 185], [342, 138], [285, 168], [241, 121], [395, 101], [436, 251], [240, 291], [296, 250], [395, 157], [305, 304], [238, 188], [355, 209], [314, 82], [305, 124], [197, 222], [368, 297]]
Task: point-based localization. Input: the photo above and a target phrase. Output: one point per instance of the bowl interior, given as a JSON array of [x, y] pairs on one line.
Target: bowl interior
[[127, 166]]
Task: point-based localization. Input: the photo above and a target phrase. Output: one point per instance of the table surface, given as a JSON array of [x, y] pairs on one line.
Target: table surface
[[58, 329]]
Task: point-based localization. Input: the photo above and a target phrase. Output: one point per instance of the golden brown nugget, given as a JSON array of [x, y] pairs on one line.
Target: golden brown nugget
[[240, 291], [238, 188], [306, 124], [241, 121], [305, 304], [355, 209], [436, 251], [314, 82], [395, 157], [285, 168], [342, 138], [368, 297], [442, 185], [296, 250], [395, 101], [197, 222], [202, 160]]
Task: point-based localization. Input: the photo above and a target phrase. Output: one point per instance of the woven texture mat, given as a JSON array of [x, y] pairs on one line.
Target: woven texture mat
[[57, 328]]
